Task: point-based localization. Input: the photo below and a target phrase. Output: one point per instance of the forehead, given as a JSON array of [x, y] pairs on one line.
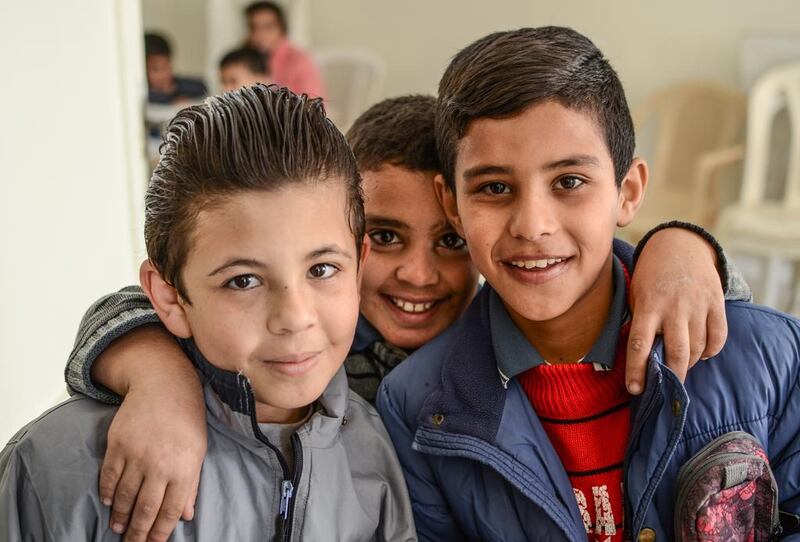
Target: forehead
[[401, 193], [293, 219], [263, 17], [541, 134]]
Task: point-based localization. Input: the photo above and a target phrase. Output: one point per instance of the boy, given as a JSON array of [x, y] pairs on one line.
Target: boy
[[290, 66], [243, 67], [164, 87], [254, 232], [515, 424], [417, 281]]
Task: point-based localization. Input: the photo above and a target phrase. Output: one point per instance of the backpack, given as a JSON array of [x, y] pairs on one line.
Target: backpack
[[727, 492]]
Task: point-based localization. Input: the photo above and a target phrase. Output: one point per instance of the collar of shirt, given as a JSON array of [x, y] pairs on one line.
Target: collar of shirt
[[515, 354], [366, 334]]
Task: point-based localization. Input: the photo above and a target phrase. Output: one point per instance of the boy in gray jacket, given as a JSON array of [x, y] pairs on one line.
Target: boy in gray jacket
[[254, 228]]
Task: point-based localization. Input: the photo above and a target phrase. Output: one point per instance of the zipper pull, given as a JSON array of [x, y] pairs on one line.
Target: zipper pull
[[287, 489]]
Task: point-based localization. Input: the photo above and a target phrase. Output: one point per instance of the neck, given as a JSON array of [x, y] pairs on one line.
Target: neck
[[568, 337], [270, 414]]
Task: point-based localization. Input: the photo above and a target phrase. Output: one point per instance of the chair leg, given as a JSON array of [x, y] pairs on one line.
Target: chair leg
[[794, 308], [771, 291]]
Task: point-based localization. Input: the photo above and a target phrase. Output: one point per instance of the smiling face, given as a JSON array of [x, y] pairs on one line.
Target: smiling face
[[272, 279], [418, 278], [537, 202]]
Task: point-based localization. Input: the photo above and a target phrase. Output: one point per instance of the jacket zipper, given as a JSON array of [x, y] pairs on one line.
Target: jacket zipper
[[290, 480]]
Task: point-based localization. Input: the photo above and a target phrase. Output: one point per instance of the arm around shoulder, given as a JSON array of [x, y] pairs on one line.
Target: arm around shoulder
[[109, 318]]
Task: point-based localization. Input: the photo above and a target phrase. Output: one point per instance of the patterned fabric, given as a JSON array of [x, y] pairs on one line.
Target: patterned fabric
[[366, 369], [727, 492]]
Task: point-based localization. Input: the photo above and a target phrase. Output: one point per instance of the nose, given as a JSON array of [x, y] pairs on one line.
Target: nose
[[291, 311], [418, 267], [533, 217]]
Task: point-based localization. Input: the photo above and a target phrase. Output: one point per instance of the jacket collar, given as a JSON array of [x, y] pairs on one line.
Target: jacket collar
[[233, 396]]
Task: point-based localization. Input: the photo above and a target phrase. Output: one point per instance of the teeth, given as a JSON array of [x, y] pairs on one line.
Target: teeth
[[539, 264], [407, 306]]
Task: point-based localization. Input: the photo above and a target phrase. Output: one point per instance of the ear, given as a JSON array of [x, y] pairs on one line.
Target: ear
[[447, 200], [631, 192], [365, 248], [165, 299]]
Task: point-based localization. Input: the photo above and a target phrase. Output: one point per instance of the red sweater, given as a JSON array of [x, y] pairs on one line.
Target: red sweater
[[586, 414]]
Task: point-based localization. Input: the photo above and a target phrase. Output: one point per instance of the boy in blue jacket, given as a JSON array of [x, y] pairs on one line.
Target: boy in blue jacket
[[515, 423]]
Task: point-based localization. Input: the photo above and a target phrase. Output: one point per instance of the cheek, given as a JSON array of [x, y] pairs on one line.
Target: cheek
[[459, 275], [378, 270]]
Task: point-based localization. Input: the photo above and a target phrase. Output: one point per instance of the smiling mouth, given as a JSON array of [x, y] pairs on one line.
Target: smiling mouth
[[412, 307], [543, 263]]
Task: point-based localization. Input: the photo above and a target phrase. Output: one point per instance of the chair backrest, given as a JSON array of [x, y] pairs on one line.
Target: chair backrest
[[685, 121], [779, 88], [353, 81]]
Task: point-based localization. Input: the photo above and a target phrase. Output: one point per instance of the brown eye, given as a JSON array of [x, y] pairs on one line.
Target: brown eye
[[243, 282], [570, 182], [384, 237], [322, 271], [451, 241], [496, 188]]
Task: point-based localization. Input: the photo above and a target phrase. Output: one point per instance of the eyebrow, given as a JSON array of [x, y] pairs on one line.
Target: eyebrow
[[235, 262], [576, 160], [573, 161], [328, 250], [478, 171], [382, 221]]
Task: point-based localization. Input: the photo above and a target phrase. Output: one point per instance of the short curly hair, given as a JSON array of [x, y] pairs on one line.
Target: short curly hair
[[397, 131]]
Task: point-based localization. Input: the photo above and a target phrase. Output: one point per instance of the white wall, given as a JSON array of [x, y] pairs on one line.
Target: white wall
[[71, 180], [649, 43]]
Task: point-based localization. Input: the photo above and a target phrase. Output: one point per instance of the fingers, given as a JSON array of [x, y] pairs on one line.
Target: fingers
[[716, 329], [146, 509], [676, 348], [697, 340], [640, 341], [110, 473], [167, 518], [188, 509], [125, 498]]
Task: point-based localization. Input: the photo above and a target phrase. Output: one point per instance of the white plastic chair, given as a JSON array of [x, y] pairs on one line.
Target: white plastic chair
[[758, 225], [353, 81], [696, 129]]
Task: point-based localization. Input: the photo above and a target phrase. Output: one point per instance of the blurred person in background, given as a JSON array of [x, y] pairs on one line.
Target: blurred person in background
[[243, 67], [289, 65], [164, 87]]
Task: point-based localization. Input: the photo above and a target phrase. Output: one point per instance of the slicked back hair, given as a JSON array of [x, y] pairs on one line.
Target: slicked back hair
[[397, 131], [256, 138], [502, 74]]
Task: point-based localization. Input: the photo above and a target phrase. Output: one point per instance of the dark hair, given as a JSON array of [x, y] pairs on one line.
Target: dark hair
[[396, 131], [274, 7], [249, 57], [504, 73], [156, 44], [256, 138]]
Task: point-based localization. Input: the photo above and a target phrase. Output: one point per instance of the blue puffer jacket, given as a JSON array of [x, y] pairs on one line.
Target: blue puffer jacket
[[479, 465]]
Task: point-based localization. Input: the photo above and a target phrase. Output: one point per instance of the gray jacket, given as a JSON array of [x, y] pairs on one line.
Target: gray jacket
[[347, 484]]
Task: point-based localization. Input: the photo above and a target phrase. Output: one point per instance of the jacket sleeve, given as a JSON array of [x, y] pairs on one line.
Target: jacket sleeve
[[784, 445], [432, 515], [108, 318], [734, 286], [21, 514]]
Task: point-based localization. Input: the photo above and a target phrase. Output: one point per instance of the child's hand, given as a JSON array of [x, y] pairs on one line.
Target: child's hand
[[157, 440], [675, 290]]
